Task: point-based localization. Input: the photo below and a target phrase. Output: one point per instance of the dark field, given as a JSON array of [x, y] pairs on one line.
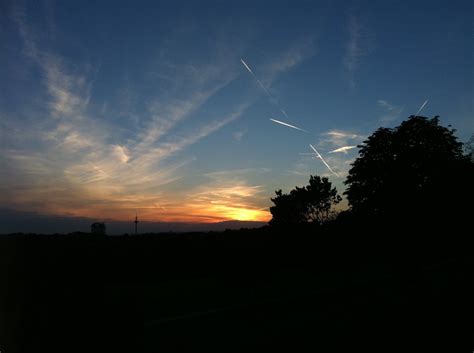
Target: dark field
[[237, 291]]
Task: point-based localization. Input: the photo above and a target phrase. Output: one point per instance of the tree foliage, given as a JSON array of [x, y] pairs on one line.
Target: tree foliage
[[311, 203], [469, 148], [417, 165]]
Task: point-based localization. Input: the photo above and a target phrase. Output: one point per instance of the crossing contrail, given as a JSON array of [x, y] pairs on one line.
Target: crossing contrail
[[289, 125], [322, 159], [422, 106]]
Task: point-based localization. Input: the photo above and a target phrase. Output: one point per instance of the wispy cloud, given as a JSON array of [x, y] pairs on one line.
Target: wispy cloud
[[81, 160], [337, 143], [340, 138], [292, 57], [340, 163], [165, 116], [307, 165], [391, 111], [229, 194], [358, 46], [222, 196], [69, 93], [238, 135], [85, 161], [386, 105], [229, 174], [29, 44], [122, 153], [167, 148], [279, 64]]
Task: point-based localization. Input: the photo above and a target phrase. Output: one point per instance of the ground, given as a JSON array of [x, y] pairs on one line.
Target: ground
[[249, 290]]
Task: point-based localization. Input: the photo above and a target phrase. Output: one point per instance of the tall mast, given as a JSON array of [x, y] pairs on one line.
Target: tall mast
[[136, 224]]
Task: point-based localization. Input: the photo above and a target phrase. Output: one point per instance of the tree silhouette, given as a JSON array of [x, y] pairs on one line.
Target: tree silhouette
[[418, 165], [311, 203], [469, 147]]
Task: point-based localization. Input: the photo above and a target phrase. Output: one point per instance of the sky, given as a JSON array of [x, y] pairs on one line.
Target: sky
[[113, 108]]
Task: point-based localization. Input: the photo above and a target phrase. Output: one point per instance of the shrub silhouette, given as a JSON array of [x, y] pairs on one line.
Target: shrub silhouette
[[416, 167], [311, 203]]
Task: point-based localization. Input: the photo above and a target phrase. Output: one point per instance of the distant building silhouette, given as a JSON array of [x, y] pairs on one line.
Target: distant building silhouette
[[98, 228]]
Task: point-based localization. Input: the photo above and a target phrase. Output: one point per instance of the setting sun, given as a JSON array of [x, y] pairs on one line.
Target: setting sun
[[249, 215]]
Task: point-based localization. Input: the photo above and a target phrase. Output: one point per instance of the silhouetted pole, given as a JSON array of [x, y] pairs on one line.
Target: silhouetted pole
[[136, 224]]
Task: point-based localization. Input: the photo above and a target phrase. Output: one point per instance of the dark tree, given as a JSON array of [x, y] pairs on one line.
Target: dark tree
[[416, 167], [469, 148], [311, 203]]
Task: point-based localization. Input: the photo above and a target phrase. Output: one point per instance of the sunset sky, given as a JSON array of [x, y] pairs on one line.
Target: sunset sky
[[108, 108]]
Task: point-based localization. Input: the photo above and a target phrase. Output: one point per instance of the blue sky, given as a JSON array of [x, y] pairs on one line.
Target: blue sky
[[114, 107]]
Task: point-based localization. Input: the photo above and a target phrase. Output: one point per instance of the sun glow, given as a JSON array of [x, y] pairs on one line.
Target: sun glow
[[248, 215], [227, 211]]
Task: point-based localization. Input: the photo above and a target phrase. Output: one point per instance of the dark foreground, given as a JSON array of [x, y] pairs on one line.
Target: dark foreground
[[239, 291]]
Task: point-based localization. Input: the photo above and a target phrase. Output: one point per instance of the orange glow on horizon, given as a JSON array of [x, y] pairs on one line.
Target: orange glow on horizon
[[197, 213], [211, 214], [237, 213], [218, 201]]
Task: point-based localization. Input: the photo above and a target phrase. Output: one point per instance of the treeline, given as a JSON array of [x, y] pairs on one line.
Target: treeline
[[416, 173]]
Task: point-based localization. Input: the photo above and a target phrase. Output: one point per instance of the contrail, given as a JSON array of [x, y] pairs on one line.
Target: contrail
[[322, 159], [246, 66], [255, 77], [289, 125], [422, 106], [284, 113], [262, 86], [343, 149]]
